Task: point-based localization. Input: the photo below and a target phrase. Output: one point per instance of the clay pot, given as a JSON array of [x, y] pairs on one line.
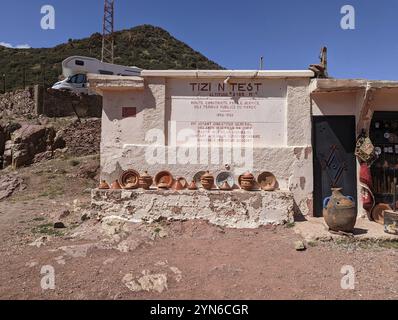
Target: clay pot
[[130, 179], [225, 177], [183, 182], [116, 185], [193, 186], [225, 187], [104, 185], [145, 181], [164, 177], [267, 181], [340, 212], [247, 181], [177, 186], [207, 181], [197, 178]]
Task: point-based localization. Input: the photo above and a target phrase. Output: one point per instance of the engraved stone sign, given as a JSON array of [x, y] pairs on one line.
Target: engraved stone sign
[[234, 112]]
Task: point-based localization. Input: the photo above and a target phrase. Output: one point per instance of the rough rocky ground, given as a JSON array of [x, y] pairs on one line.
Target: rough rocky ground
[[24, 141], [166, 260]]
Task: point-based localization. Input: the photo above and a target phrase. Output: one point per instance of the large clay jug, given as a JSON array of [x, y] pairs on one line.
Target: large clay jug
[[340, 212]]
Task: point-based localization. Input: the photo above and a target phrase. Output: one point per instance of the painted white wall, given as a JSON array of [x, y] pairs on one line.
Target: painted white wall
[[334, 104], [123, 144]]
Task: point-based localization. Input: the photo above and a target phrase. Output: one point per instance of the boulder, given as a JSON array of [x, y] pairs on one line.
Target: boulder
[[10, 128], [59, 225], [31, 134], [29, 141], [20, 158], [7, 156], [9, 184], [59, 142]]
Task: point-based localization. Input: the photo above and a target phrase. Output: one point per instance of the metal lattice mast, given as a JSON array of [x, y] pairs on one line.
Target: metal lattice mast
[[107, 32]]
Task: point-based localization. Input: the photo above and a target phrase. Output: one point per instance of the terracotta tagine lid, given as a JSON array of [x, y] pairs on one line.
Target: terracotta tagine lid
[[247, 181], [104, 185], [207, 181], [225, 187], [183, 182], [177, 185], [164, 177], [129, 179], [163, 186], [193, 186], [145, 181], [267, 181], [116, 185]]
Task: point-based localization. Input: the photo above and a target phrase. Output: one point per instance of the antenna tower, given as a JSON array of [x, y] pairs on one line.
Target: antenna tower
[[107, 32]]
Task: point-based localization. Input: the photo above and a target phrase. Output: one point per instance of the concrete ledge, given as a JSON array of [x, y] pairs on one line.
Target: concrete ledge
[[101, 83], [222, 74], [237, 209], [349, 85], [315, 229]]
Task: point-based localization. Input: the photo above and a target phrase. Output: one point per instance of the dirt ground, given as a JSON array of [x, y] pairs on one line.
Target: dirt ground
[[166, 260]]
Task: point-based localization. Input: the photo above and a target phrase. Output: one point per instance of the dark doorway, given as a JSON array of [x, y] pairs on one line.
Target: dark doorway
[[334, 143]]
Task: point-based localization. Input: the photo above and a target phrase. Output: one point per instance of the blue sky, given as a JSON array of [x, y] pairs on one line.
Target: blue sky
[[288, 33]]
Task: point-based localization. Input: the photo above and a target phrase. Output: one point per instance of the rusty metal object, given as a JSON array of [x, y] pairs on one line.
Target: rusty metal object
[[321, 69], [267, 181], [116, 185], [340, 212], [145, 181], [247, 181], [104, 185], [129, 179], [164, 177], [207, 181]]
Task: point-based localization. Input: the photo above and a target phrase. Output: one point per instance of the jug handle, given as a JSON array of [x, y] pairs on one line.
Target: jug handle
[[326, 202]]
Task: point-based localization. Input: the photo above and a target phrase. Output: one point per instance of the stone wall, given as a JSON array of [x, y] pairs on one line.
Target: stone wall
[[57, 103], [29, 144], [124, 145], [52, 103], [236, 209], [20, 102]]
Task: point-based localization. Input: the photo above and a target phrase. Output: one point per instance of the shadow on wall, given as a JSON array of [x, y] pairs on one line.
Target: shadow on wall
[[110, 177], [55, 103], [51, 103]]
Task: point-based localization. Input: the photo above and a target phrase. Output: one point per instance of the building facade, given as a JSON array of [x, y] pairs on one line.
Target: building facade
[[301, 129]]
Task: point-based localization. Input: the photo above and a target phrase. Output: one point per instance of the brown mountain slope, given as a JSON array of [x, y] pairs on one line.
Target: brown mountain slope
[[144, 46]]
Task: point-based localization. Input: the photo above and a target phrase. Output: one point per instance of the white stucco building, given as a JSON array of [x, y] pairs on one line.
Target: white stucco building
[[301, 129]]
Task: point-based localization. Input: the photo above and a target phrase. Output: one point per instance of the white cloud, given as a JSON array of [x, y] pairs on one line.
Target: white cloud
[[19, 46]]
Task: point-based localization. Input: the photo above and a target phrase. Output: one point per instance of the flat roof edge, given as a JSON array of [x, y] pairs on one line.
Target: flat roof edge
[[252, 74], [335, 85]]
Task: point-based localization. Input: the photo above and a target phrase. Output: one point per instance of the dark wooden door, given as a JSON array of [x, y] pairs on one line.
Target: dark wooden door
[[334, 143]]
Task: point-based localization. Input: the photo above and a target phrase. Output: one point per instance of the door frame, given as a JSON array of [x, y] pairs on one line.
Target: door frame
[[317, 212]]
